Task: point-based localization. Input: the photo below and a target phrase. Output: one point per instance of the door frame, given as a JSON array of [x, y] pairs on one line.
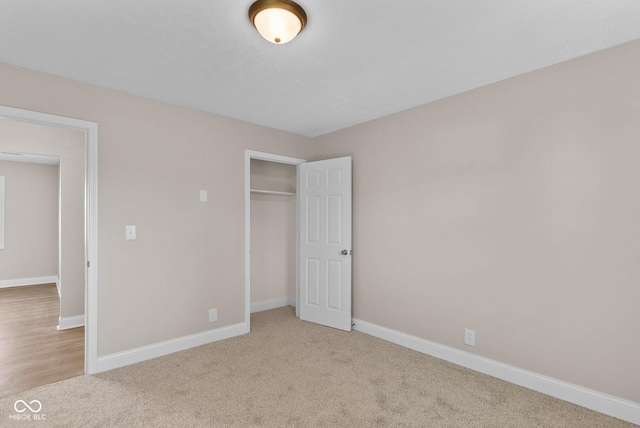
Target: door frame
[[270, 157], [90, 130]]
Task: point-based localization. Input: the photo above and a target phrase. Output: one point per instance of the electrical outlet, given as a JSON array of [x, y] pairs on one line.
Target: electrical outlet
[[469, 337], [213, 315]]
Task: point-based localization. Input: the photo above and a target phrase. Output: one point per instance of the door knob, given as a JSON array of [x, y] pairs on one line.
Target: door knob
[[344, 252]]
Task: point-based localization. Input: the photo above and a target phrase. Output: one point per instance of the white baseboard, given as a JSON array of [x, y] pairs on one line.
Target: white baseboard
[[65, 323], [594, 400], [273, 304], [28, 281], [132, 356]]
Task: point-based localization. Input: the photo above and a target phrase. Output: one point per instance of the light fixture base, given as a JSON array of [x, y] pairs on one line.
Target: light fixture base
[[277, 20]]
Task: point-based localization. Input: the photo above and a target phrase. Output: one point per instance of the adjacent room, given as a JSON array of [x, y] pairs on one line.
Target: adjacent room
[[370, 214], [42, 273]]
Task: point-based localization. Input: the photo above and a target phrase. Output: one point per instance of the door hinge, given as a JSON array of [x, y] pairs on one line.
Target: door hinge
[[88, 264]]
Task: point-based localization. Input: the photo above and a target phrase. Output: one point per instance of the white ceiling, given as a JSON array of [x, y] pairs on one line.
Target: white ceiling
[[356, 60]]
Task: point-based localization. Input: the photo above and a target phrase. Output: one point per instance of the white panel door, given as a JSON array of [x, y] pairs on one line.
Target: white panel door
[[324, 191]]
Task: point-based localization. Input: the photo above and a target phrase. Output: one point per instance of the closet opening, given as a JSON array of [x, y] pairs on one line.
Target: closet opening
[[271, 228]]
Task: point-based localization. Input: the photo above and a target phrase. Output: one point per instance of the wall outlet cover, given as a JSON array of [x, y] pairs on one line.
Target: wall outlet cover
[[213, 315]]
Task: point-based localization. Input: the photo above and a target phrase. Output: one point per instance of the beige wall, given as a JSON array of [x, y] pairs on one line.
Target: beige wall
[[68, 144], [273, 232], [31, 220], [512, 210], [153, 160]]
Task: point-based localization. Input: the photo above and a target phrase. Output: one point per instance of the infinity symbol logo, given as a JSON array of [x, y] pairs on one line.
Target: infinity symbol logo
[[24, 406]]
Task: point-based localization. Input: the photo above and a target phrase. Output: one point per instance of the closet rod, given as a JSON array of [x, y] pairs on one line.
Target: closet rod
[[272, 192]]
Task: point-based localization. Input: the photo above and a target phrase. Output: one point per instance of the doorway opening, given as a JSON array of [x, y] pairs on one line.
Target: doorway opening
[[266, 192], [90, 130], [36, 351]]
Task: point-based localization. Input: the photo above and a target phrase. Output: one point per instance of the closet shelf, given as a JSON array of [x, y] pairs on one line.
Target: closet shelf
[[271, 192]]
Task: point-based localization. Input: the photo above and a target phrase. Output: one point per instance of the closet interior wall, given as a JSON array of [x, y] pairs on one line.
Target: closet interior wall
[[273, 232]]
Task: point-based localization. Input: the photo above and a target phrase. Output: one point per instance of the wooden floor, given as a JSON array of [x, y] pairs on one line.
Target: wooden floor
[[32, 351]]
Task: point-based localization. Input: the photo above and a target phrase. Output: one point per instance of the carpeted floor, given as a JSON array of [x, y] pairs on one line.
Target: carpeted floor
[[287, 372]]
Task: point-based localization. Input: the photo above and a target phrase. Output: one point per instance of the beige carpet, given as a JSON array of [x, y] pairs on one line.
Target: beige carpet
[[290, 373]]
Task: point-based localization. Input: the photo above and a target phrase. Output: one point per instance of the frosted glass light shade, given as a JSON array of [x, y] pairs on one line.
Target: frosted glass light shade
[[277, 25], [278, 21]]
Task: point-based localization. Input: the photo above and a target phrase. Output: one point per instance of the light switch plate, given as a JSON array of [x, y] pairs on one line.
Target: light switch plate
[[203, 196], [130, 233], [469, 337]]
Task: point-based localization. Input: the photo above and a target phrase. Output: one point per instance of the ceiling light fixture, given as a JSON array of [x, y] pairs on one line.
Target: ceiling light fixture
[[278, 21]]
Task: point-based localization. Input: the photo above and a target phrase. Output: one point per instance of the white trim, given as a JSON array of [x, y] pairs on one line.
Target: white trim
[[298, 211], [273, 304], [65, 323], [143, 353], [2, 180], [91, 217], [248, 155], [594, 400], [252, 154], [21, 282]]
